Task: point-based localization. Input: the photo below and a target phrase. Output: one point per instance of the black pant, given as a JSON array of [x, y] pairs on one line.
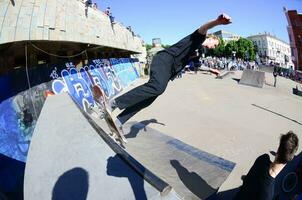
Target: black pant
[[142, 96]]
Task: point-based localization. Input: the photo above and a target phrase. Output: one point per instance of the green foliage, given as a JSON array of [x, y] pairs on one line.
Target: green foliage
[[219, 51], [148, 47], [166, 46], [230, 47], [244, 49]]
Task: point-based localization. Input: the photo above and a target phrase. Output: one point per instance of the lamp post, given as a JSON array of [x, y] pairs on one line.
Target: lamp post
[[234, 54]]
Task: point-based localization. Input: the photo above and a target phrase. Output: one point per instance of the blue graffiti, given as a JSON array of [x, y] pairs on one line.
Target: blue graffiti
[[20, 110], [111, 77], [14, 138], [76, 86]]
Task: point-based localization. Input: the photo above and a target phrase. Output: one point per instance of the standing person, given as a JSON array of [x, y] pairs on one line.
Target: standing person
[[95, 6], [275, 74], [194, 59], [165, 66], [259, 183], [88, 3], [109, 14], [107, 11]]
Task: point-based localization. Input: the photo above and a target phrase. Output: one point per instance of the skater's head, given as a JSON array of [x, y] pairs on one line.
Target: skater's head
[[288, 146], [211, 42]]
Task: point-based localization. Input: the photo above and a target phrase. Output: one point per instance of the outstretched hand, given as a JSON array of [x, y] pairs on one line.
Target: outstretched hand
[[224, 19]]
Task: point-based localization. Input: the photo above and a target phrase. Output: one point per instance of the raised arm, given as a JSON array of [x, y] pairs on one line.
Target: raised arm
[[222, 19]]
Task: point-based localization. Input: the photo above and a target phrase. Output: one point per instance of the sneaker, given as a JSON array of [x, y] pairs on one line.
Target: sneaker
[[119, 126], [111, 105]]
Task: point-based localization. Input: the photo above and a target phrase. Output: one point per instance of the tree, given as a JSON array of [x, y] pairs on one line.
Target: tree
[[245, 49], [219, 51], [230, 47], [148, 47], [166, 46]]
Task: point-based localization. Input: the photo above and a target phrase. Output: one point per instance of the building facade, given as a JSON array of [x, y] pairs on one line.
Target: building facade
[[272, 49], [226, 36], [156, 47], [294, 29]]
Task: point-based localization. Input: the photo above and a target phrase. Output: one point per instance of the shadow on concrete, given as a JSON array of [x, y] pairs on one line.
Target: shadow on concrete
[[135, 128], [72, 185], [196, 184], [236, 79], [118, 168], [12, 177], [281, 115]]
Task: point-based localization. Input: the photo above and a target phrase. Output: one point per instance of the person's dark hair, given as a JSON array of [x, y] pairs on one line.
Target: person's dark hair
[[287, 147]]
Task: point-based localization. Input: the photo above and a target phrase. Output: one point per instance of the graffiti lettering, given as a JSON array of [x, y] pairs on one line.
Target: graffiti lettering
[[111, 77]]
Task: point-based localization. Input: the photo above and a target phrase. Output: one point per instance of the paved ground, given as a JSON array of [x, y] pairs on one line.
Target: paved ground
[[217, 116]]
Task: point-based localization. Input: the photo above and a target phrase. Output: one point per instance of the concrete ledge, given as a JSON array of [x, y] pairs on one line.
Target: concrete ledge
[[252, 78]]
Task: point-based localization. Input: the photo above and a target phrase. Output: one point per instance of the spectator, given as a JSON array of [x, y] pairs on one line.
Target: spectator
[[109, 14], [259, 182], [95, 6], [194, 60], [87, 4], [13, 2], [275, 74], [107, 11]]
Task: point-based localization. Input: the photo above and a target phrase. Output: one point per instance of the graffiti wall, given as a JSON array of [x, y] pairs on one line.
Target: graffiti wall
[[23, 93]]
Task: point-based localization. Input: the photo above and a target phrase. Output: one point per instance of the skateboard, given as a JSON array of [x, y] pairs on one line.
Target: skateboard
[[101, 110], [215, 71]]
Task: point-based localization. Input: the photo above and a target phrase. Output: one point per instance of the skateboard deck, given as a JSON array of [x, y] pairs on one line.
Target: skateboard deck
[[102, 111], [215, 71]]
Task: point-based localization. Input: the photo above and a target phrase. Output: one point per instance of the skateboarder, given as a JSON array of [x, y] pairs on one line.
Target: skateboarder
[[165, 66]]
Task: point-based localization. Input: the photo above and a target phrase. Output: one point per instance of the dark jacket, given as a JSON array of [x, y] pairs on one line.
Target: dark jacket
[[182, 50], [258, 183]]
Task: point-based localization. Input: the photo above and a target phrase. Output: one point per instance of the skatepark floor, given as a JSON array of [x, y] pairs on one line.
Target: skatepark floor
[[200, 135], [232, 121]]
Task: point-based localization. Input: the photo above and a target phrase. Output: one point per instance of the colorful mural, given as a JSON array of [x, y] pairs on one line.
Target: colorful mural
[[20, 105]]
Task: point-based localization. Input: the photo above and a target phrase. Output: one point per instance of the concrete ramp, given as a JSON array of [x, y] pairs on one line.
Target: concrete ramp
[[225, 74], [72, 158], [252, 78], [193, 173], [69, 160]]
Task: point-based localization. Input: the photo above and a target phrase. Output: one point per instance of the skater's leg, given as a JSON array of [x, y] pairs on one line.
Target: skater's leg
[[161, 71], [132, 110]]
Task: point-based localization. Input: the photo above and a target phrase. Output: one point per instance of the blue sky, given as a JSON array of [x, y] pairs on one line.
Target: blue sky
[[171, 20]]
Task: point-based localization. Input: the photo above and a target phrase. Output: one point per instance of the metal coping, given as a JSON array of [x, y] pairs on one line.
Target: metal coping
[[163, 187], [202, 155]]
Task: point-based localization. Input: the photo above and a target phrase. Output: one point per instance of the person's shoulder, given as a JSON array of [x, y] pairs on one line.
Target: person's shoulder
[[264, 158]]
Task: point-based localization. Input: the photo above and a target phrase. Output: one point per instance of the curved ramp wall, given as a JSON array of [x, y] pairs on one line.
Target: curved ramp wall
[[62, 20], [23, 93]]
